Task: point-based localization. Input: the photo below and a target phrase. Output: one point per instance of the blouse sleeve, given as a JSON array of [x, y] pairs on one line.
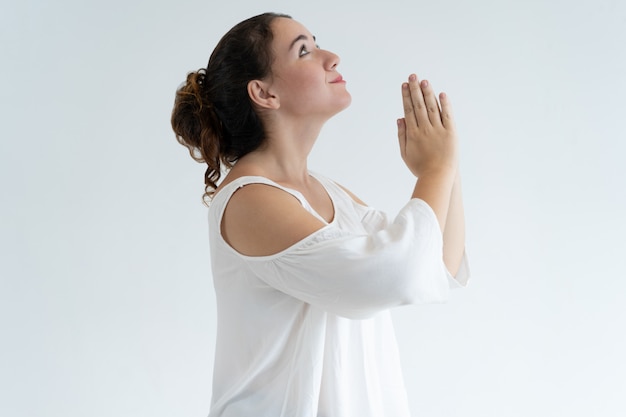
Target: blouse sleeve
[[355, 275], [374, 220]]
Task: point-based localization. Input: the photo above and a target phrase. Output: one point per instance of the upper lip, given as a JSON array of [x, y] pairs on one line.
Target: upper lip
[[336, 80]]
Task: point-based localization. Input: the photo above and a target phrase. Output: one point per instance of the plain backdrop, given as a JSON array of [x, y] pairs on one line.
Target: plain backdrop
[[106, 299]]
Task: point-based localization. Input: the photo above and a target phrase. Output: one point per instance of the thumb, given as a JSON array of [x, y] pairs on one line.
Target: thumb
[[402, 136]]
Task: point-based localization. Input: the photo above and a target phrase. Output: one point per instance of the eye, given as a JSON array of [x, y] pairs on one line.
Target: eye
[[303, 51]]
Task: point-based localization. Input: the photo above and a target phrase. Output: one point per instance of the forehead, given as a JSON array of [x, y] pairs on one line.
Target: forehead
[[285, 31]]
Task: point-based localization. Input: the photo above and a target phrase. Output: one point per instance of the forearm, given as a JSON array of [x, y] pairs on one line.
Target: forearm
[[436, 190], [428, 146], [454, 230]]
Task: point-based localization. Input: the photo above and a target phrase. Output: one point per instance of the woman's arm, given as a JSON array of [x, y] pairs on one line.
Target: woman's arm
[[428, 146], [454, 231]]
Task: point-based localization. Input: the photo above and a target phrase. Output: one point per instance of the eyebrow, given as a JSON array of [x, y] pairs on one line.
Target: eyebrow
[[300, 38]]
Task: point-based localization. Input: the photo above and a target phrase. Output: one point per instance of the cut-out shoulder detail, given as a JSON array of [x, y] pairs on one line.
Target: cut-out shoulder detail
[[262, 220], [256, 231], [229, 189]]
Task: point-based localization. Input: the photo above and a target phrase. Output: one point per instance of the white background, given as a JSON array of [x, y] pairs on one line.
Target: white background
[[106, 300]]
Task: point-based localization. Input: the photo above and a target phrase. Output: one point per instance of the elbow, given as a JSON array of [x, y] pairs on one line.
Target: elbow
[[432, 295], [392, 290], [427, 284]]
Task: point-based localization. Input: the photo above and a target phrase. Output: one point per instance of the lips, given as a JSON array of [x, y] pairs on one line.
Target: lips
[[339, 79]]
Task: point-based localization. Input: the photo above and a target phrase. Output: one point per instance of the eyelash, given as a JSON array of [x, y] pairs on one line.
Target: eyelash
[[304, 51]]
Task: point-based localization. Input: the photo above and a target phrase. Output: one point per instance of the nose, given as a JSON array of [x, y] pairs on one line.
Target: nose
[[331, 60]]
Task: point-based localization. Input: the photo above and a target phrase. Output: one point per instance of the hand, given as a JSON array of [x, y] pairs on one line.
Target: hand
[[427, 136]]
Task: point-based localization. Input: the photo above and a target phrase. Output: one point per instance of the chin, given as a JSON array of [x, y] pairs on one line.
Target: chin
[[346, 102]]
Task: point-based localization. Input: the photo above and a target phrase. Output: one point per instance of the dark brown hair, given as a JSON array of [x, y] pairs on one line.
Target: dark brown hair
[[213, 115]]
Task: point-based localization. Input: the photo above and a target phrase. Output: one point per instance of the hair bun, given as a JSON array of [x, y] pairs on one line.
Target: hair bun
[[194, 85]]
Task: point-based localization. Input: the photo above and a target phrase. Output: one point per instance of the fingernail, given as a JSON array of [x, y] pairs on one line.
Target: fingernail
[[412, 77], [405, 86], [424, 84]]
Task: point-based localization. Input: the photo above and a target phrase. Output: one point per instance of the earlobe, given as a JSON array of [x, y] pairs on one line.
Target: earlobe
[[260, 96]]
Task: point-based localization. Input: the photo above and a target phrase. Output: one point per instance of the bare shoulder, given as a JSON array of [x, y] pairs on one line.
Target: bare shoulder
[[352, 195], [261, 220]]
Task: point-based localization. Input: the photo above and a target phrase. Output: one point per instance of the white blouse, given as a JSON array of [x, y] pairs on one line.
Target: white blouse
[[307, 332]]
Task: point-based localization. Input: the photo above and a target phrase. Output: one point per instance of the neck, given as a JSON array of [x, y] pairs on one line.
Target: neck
[[284, 155]]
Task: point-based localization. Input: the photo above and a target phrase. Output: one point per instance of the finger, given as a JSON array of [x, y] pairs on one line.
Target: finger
[[417, 98], [447, 118], [410, 122], [432, 106], [402, 136]]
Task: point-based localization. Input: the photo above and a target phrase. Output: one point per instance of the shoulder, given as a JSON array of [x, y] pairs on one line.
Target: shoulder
[[262, 219]]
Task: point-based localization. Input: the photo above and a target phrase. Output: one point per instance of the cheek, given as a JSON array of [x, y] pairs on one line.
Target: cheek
[[303, 87], [304, 81]]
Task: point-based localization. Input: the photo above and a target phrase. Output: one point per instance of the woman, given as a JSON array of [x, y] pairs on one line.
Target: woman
[[305, 274]]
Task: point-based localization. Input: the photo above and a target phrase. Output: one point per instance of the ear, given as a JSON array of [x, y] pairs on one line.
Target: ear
[[261, 96]]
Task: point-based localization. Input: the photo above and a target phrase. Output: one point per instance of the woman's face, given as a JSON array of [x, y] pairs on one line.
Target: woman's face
[[305, 77]]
